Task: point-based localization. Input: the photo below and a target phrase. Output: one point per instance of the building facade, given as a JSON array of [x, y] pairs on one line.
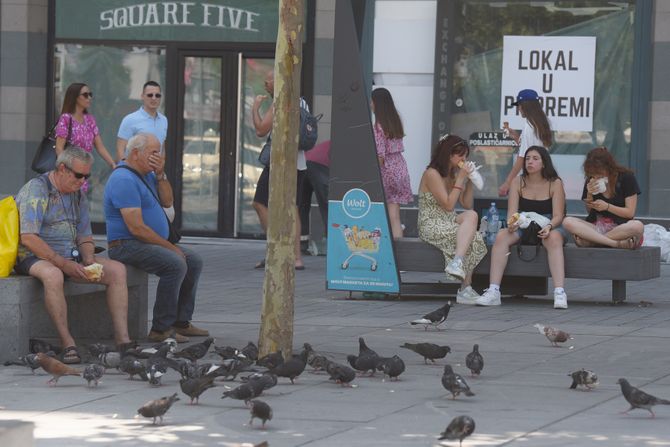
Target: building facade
[[441, 60]]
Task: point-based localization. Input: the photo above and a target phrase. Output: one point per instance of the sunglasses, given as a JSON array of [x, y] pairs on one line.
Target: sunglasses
[[151, 95], [87, 94], [78, 175]]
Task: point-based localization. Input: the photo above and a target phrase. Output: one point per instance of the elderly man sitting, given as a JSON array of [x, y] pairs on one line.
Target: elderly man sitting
[[56, 243], [138, 230]]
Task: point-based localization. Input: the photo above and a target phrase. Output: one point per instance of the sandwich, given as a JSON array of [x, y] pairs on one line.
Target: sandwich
[[94, 271]]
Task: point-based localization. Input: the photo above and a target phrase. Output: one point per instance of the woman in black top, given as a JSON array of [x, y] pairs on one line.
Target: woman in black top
[[538, 189], [610, 194]]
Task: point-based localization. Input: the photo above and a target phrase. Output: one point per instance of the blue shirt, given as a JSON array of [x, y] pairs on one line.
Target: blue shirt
[[59, 219], [141, 121], [125, 190]]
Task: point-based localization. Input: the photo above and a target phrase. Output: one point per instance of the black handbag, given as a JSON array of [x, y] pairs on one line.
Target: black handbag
[[529, 236], [173, 234], [45, 157], [264, 156]]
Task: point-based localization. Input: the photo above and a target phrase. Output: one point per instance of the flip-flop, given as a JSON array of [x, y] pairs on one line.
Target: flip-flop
[[71, 355], [260, 265]]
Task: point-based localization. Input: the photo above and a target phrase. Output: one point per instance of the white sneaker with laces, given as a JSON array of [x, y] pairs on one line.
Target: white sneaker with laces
[[467, 296], [455, 268], [489, 298], [560, 300]]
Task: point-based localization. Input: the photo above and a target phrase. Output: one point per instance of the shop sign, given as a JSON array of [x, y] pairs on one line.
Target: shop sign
[[227, 21], [560, 68]]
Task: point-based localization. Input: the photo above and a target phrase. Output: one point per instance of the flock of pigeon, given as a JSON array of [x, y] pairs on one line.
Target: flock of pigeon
[[150, 364]]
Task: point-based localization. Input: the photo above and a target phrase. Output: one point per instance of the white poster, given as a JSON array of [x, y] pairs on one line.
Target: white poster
[[561, 69]]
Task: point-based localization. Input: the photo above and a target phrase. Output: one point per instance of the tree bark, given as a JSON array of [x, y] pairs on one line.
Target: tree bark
[[276, 332]]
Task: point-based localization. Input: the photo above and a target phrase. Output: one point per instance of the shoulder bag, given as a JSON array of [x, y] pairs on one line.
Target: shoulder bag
[[45, 157], [173, 235], [529, 237]]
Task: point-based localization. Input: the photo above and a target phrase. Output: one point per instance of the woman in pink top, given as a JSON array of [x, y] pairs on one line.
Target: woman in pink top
[[389, 133], [75, 119]]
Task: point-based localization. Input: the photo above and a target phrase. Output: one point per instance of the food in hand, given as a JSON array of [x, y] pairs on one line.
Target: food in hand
[[513, 219], [93, 271]]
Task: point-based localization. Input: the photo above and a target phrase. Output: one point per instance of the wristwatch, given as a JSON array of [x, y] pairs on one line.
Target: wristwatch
[[162, 176]]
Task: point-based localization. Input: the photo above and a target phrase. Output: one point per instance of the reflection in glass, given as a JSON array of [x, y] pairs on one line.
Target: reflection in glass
[[254, 72], [201, 145], [116, 75]]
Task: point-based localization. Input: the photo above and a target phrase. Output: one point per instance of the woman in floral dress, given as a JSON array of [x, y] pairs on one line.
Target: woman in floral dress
[[442, 186], [79, 125], [389, 133]]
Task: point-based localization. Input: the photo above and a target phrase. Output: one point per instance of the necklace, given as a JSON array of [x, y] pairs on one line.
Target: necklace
[[71, 223]]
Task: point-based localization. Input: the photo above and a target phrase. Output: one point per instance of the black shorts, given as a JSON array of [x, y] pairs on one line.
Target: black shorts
[[262, 195]]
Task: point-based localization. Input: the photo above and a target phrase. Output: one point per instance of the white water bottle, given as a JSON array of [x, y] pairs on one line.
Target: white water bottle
[[493, 224]]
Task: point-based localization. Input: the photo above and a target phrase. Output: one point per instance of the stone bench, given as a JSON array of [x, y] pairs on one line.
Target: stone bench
[[24, 315], [530, 277]]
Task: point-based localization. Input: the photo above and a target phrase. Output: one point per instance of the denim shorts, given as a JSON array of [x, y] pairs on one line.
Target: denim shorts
[[23, 267], [559, 228]]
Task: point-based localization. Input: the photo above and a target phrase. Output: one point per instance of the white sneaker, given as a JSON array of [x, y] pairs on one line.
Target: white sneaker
[[489, 298], [560, 300], [455, 268], [467, 296]]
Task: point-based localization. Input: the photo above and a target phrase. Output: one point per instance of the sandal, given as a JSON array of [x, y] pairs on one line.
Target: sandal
[[260, 265], [71, 355]]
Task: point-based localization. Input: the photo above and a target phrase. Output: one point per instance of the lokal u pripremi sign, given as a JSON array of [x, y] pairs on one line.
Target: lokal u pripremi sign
[[229, 20]]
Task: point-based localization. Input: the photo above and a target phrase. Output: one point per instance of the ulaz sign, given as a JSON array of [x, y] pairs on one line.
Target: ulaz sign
[[228, 20]]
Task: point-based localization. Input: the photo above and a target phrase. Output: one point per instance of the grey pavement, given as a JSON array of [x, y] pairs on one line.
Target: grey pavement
[[522, 397]]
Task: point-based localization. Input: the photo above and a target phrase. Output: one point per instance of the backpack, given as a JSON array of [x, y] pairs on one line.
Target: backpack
[[309, 131]]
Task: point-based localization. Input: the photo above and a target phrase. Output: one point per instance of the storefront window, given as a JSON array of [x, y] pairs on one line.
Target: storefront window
[[477, 50], [254, 72], [116, 76]]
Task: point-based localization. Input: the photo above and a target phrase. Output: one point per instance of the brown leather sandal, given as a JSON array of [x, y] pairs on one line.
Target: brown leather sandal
[[71, 355]]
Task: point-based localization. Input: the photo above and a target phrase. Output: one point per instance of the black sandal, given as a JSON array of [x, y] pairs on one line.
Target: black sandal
[[71, 355]]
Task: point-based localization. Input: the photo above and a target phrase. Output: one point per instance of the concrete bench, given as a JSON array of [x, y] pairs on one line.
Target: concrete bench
[[24, 315], [522, 277]]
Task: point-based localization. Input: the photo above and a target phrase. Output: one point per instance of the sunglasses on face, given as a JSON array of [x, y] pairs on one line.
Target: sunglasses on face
[[151, 95], [87, 94], [78, 175]]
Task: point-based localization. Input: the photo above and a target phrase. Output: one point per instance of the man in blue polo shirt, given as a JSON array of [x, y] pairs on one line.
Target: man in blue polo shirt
[[138, 232], [146, 119]]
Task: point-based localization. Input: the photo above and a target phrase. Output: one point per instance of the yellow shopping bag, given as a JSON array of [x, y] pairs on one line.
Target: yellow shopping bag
[[9, 235]]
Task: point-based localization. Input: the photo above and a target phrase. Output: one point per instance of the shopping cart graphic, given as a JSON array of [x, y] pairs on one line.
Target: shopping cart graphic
[[361, 242]]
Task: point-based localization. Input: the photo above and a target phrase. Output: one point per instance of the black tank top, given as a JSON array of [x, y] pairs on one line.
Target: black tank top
[[539, 206]]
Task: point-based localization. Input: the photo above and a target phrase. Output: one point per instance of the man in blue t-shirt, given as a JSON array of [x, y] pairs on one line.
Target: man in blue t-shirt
[[146, 119], [138, 231]]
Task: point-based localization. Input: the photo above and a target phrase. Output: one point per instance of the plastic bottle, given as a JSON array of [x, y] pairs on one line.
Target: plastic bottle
[[493, 224]]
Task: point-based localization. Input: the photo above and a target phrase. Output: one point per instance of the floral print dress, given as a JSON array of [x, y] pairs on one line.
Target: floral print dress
[[81, 134], [395, 175], [438, 226]]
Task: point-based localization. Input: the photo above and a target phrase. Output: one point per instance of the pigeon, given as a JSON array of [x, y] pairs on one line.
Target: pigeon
[[454, 383], [195, 351], [261, 381], [228, 352], [555, 336], [55, 367], [315, 360], [160, 360], [193, 388], [232, 367], [459, 428], [639, 399], [271, 360], [96, 349], [391, 366], [434, 318], [36, 346], [155, 373], [93, 373], [250, 351], [429, 351], [29, 361], [157, 408], [474, 361], [366, 360], [292, 367], [260, 410], [110, 359], [585, 378], [340, 373], [244, 392], [132, 366]]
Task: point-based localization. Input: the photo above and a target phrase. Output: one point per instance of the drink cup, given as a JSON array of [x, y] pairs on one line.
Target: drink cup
[[601, 183]]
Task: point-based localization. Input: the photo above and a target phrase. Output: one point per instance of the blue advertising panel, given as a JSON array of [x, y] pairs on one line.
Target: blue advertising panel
[[360, 251]]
